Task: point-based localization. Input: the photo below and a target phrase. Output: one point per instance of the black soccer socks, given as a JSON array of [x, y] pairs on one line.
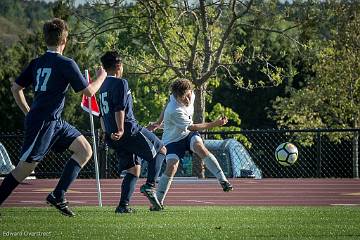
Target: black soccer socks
[[7, 186]]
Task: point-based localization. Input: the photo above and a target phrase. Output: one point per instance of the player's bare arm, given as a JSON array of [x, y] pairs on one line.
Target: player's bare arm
[[120, 119], [20, 100], [95, 86], [207, 125], [158, 124]]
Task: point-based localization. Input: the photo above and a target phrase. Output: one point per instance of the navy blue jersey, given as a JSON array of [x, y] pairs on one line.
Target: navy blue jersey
[[50, 74], [115, 96]]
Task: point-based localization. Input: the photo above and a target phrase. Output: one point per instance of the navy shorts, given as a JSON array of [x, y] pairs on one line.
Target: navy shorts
[[177, 150], [42, 136], [143, 144]]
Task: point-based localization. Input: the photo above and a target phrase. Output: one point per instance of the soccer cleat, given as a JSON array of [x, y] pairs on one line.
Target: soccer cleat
[[149, 192], [226, 186], [152, 209], [124, 209], [62, 206]]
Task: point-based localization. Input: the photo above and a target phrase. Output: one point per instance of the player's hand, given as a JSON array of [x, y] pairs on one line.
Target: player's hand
[[101, 73], [153, 126], [116, 136], [221, 121]]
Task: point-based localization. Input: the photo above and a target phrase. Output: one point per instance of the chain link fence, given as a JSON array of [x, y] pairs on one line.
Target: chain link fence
[[53, 163], [323, 153]]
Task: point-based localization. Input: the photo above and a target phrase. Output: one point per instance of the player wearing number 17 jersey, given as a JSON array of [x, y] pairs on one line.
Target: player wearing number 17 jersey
[[51, 75]]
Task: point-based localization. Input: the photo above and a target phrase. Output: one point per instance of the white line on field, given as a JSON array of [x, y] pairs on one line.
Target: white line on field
[[197, 201]]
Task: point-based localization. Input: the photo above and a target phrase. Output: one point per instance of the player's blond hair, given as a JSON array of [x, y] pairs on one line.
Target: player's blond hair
[[55, 32], [180, 87]]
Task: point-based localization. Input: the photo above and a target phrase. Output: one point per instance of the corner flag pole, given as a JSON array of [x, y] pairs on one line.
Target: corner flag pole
[[94, 146]]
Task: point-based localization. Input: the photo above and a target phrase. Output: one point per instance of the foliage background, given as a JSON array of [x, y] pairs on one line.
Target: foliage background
[[318, 65]]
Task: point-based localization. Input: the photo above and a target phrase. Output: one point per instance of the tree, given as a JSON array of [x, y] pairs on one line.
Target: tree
[[15, 56], [13, 60], [332, 98], [187, 39], [12, 9], [167, 39]]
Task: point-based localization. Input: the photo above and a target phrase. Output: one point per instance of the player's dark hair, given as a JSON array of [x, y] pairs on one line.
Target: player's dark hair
[[55, 32], [180, 86], [110, 59]]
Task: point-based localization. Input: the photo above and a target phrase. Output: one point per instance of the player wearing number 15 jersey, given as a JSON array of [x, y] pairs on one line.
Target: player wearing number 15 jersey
[[51, 75], [126, 136]]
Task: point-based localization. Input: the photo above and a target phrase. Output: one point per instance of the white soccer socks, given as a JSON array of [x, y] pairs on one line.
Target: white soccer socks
[[163, 187], [212, 164]]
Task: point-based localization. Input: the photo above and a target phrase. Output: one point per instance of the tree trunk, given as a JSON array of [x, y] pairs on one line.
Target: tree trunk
[[198, 169], [199, 105]]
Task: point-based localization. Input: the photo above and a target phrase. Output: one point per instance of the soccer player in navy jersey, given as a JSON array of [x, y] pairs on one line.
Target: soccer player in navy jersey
[[50, 75], [181, 134], [126, 136]]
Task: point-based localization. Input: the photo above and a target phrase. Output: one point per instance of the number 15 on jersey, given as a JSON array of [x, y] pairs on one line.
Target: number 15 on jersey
[[103, 103]]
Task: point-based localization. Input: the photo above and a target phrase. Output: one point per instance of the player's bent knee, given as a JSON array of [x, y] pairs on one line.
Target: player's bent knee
[[85, 151], [201, 150], [135, 170], [88, 151], [171, 166], [81, 149]]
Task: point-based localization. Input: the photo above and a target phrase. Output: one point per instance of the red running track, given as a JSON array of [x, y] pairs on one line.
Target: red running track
[[247, 192]]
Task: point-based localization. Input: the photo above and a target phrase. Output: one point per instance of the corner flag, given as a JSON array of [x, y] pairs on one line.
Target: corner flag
[[87, 104]]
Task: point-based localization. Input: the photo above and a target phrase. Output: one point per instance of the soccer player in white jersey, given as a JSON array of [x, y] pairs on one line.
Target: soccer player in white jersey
[[181, 135]]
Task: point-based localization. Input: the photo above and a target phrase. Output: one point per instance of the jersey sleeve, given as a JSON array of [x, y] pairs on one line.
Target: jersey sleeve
[[120, 96], [26, 77], [74, 76], [172, 98], [181, 120]]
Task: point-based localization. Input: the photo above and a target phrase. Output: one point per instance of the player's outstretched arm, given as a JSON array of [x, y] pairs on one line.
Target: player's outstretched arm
[[95, 86], [18, 93], [207, 125], [158, 124]]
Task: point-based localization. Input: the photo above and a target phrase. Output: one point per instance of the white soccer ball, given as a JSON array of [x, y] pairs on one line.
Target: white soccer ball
[[286, 154]]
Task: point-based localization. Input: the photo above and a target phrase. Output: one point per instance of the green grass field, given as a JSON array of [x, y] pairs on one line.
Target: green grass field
[[183, 223]]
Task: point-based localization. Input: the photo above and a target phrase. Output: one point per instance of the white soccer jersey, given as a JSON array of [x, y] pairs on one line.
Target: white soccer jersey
[[177, 119]]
